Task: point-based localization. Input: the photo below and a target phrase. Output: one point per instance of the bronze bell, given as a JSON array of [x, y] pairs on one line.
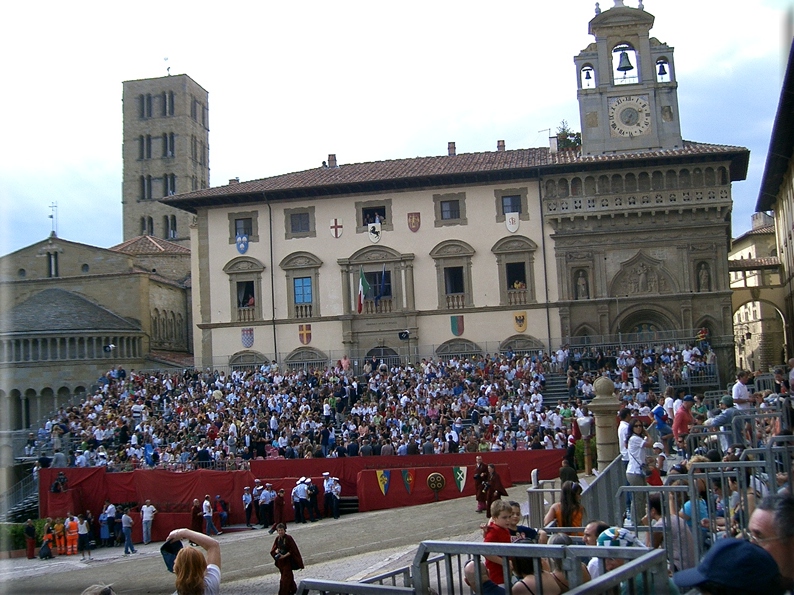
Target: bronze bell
[[624, 64], [662, 69], [587, 75]]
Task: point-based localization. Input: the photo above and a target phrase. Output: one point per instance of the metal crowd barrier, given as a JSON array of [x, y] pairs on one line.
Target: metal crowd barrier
[[599, 499]]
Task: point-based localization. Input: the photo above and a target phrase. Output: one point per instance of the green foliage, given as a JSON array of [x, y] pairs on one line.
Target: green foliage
[[579, 454], [567, 138], [12, 535]]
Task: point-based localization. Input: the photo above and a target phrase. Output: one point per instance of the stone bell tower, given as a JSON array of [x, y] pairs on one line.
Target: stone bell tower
[[627, 90]]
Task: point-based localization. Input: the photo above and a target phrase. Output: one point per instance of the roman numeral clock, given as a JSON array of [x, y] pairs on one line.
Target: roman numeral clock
[[629, 116]]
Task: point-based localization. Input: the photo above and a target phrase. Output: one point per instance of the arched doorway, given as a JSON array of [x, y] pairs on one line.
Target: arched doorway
[[759, 331]]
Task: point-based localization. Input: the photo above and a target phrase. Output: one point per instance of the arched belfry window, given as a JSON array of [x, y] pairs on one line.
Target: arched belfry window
[[587, 77], [663, 73], [625, 64]]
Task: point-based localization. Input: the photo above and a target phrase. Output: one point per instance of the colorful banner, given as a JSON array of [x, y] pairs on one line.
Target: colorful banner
[[409, 477], [460, 476], [456, 324], [383, 481]]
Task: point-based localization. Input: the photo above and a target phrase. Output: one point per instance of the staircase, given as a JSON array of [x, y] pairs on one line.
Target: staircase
[[556, 388], [21, 502]]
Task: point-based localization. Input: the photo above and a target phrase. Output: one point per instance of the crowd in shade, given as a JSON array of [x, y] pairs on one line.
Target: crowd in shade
[[222, 420]]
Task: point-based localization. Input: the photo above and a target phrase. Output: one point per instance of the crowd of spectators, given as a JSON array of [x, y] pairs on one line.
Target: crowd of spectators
[[222, 420]]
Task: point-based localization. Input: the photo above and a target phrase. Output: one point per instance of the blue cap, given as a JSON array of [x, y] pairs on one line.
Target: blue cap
[[734, 563], [689, 399]]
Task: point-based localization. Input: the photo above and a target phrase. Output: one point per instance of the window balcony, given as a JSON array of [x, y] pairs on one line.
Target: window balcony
[[456, 301], [246, 314]]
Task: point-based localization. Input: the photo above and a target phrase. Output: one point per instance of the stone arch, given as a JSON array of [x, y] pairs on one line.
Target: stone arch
[[515, 259], [457, 347], [521, 344], [243, 264], [642, 275], [617, 183], [585, 330], [300, 260], [630, 182], [303, 356], [671, 180], [451, 248], [247, 359], [603, 185], [562, 188], [385, 354], [551, 189], [713, 325], [645, 321]]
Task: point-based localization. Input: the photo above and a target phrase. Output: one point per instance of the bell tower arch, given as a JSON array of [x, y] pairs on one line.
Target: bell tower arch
[[627, 90]]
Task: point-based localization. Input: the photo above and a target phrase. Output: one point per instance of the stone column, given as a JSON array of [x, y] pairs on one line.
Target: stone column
[[605, 407]]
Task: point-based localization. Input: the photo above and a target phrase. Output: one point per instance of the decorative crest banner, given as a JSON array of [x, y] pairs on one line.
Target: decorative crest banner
[[383, 480]]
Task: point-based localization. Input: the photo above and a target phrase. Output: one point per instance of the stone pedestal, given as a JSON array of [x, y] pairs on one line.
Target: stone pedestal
[[605, 407]]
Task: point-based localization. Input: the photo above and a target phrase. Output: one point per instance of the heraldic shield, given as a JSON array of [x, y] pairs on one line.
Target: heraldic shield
[[456, 324], [373, 230], [305, 333], [242, 243], [512, 221], [414, 221], [336, 228], [247, 337], [520, 321], [383, 480]]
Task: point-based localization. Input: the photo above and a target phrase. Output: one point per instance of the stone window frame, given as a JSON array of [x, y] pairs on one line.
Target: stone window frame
[[302, 264], [388, 225], [512, 249], [453, 253], [240, 270], [372, 259], [439, 198], [253, 216], [501, 193], [288, 233]]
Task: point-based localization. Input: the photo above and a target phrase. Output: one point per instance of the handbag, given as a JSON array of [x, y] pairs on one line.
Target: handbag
[[644, 469]]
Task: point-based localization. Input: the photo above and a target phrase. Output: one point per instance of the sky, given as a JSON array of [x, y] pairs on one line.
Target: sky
[[291, 82]]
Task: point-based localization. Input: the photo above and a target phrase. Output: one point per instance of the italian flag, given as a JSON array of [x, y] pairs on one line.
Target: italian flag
[[363, 288]]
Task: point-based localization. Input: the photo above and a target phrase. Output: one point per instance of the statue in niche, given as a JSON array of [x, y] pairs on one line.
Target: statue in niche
[[704, 277], [582, 291], [642, 278]]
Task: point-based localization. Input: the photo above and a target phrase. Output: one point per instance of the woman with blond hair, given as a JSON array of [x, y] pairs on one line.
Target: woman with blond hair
[[196, 575]]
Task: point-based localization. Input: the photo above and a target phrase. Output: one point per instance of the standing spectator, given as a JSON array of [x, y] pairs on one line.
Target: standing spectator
[[637, 443], [30, 539], [683, 422], [196, 516], [194, 573], [83, 536], [147, 517], [248, 505], [288, 558], [493, 486], [480, 477], [126, 526], [278, 511], [222, 508], [741, 396], [104, 530], [207, 513]]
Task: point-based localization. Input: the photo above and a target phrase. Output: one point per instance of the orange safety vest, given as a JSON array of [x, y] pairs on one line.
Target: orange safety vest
[[71, 528]]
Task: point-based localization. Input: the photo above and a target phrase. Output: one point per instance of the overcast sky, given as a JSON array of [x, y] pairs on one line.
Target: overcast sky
[[291, 82]]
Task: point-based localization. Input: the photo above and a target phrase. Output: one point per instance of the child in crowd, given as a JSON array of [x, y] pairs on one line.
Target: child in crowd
[[653, 476], [498, 531]]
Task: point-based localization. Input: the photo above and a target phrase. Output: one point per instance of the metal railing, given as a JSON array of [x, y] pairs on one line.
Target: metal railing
[[17, 494], [599, 499]]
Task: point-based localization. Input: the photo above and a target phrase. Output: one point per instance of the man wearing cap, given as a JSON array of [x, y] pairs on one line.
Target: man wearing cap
[[724, 419], [336, 491], [328, 503], [311, 502], [247, 505], [262, 505], [256, 494], [620, 537], [300, 498], [683, 422], [733, 566]]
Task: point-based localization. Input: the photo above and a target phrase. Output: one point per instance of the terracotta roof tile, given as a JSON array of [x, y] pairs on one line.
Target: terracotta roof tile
[[425, 169], [148, 245], [752, 264]]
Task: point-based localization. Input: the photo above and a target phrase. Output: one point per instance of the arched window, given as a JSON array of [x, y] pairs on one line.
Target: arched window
[[303, 278], [576, 187], [587, 77], [657, 181], [515, 259], [562, 187], [710, 177], [603, 184], [684, 179], [671, 181], [644, 182], [663, 73], [625, 64], [551, 189], [631, 183], [617, 183], [453, 274], [589, 186]]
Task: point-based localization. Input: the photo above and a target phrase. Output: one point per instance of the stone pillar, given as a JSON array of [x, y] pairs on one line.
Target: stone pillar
[[605, 407]]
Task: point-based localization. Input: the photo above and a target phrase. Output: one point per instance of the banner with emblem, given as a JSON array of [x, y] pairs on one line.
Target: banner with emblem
[[305, 333], [520, 321], [409, 478], [247, 337], [460, 474], [373, 230], [512, 221], [456, 324], [242, 243], [414, 221], [383, 480], [336, 228]]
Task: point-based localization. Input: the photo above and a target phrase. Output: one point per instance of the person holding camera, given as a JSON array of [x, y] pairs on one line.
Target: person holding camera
[[288, 558], [636, 444]]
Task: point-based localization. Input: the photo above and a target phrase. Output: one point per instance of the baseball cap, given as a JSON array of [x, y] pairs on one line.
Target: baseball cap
[[617, 537], [727, 400], [689, 399], [658, 445], [737, 563]]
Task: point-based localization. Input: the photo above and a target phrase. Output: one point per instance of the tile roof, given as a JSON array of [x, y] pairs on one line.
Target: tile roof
[[753, 264], [61, 311], [425, 171], [147, 245]]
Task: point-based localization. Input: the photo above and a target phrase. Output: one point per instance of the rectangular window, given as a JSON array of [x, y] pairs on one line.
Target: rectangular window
[[169, 184], [149, 104], [453, 280], [373, 215], [168, 144], [52, 264], [243, 227], [516, 275], [303, 290], [511, 204], [146, 187], [299, 223], [194, 149], [170, 103], [147, 152], [450, 209], [379, 285], [245, 294], [193, 103], [141, 147]]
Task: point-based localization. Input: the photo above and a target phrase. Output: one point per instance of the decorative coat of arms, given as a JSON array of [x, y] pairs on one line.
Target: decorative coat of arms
[[247, 337], [456, 323], [383, 481], [373, 229], [460, 476], [242, 243], [512, 221], [414, 221], [305, 333], [336, 228], [520, 321], [409, 478]]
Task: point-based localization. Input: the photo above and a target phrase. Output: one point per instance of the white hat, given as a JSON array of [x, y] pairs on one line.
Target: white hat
[[258, 480], [326, 474], [335, 478], [300, 481], [658, 445], [307, 480], [247, 488]]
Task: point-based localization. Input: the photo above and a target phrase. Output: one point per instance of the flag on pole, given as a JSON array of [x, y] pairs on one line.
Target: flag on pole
[[382, 288], [363, 288]]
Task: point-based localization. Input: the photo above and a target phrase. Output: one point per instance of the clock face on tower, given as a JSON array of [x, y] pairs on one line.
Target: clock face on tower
[[629, 116]]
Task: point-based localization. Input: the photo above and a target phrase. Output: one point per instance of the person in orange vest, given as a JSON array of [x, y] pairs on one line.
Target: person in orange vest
[[71, 534], [60, 536]]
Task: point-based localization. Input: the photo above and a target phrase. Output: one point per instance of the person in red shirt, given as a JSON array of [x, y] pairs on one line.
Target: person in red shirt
[[683, 421], [498, 531]]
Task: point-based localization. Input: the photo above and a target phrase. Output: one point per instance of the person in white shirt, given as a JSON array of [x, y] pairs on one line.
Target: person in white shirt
[[147, 516], [741, 396]]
